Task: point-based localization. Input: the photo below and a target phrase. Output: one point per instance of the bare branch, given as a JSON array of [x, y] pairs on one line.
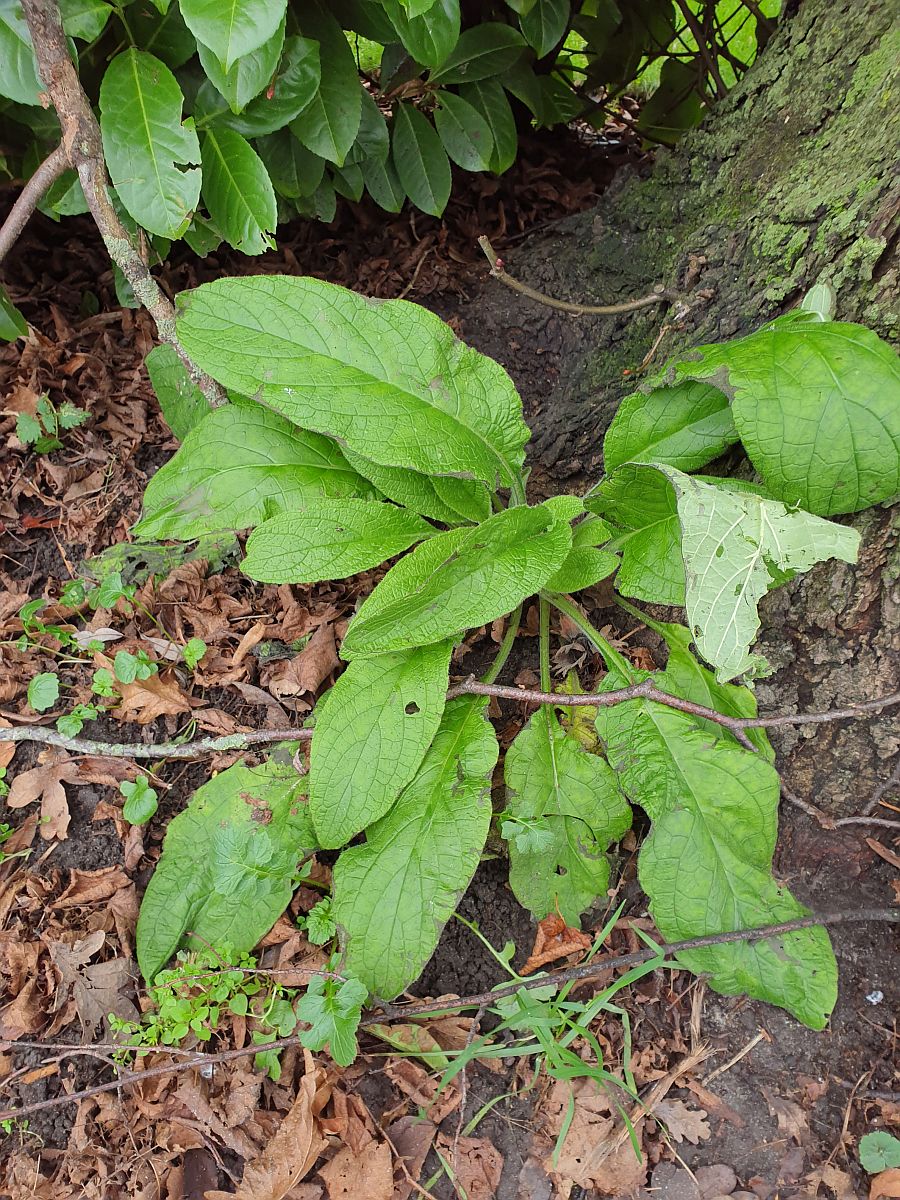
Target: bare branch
[[470, 687], [83, 147], [211, 745], [391, 1012], [498, 271], [29, 197]]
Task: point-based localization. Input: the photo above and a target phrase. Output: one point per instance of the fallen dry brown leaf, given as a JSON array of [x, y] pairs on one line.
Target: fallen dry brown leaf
[[98, 989], [45, 782], [422, 1088], [554, 939], [477, 1164], [351, 1176], [90, 887], [887, 1183], [792, 1120], [309, 669], [411, 1138], [290, 1154], [682, 1123], [146, 699]]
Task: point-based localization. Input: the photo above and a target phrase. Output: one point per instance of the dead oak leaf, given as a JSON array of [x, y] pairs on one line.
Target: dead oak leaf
[[790, 1116], [97, 989], [349, 1175], [681, 1122], [45, 782]]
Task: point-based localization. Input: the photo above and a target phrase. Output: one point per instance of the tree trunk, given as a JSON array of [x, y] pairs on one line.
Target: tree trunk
[[792, 179]]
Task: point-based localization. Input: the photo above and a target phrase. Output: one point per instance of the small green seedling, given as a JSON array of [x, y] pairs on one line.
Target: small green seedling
[[43, 430]]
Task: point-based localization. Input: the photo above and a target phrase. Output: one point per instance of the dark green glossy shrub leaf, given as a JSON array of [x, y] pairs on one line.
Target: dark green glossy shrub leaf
[[420, 160]]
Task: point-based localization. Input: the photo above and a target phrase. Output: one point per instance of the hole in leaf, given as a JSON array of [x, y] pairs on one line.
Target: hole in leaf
[[411, 709]]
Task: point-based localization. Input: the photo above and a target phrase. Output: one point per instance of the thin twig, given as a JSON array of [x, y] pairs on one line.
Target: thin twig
[[29, 197], [392, 1012], [211, 745], [596, 965], [829, 822], [882, 790], [708, 56], [83, 148], [499, 272], [470, 687]]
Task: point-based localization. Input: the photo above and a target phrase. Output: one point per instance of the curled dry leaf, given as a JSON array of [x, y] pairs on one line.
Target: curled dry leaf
[[309, 669], [555, 940], [411, 1138], [45, 782], [422, 1089], [290, 1155]]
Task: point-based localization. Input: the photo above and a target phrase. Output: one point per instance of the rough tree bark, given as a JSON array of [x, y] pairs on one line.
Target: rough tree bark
[[793, 178]]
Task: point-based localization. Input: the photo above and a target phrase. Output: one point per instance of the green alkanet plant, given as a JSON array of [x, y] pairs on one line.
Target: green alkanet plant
[[362, 431]]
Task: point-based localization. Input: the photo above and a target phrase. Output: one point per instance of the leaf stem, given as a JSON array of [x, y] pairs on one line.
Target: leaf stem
[[544, 641], [613, 659], [512, 630]]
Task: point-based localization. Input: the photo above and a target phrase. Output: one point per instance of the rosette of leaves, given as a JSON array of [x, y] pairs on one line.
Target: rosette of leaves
[[375, 436]]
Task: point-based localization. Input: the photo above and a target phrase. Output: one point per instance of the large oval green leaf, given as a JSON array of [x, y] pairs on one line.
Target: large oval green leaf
[[330, 539], [817, 406], [291, 89], [183, 404], [393, 895], [685, 426], [146, 145], [371, 736], [388, 378], [19, 79], [421, 161], [420, 492], [238, 192], [232, 28], [566, 809], [460, 579], [707, 864], [228, 864], [237, 466], [544, 24], [294, 170], [488, 98]]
